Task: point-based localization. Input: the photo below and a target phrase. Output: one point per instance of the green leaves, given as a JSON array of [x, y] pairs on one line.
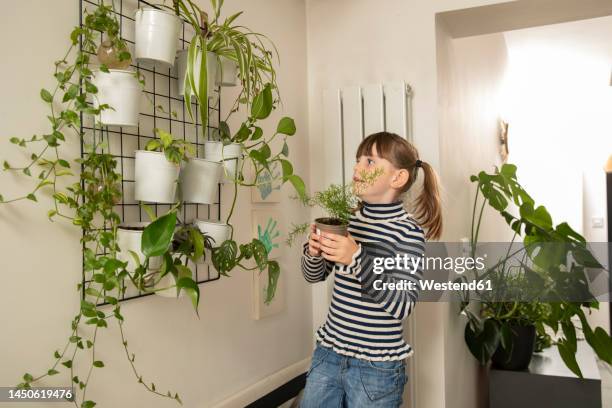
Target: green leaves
[[46, 95], [260, 253], [192, 289], [483, 341], [71, 93], [98, 364], [262, 103], [287, 168], [157, 236], [568, 354], [273, 275], [165, 138], [286, 126], [298, 185], [224, 256]]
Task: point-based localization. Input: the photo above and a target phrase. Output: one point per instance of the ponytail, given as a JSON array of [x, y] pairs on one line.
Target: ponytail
[[403, 155], [428, 208]]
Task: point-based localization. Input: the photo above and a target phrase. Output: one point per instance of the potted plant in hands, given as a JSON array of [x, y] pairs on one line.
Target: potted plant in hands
[[339, 202], [157, 168], [555, 262]]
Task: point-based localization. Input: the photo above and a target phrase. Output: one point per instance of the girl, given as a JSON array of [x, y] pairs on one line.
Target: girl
[[359, 359]]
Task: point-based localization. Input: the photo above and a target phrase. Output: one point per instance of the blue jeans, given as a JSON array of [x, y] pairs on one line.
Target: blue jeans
[[335, 380]]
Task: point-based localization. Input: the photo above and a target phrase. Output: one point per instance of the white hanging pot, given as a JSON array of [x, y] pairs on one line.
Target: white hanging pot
[[155, 177], [217, 230], [129, 237], [200, 180], [211, 70], [227, 72], [121, 91], [157, 34], [227, 154]]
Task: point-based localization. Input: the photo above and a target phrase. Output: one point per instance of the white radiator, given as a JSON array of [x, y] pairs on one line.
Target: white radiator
[[349, 115]]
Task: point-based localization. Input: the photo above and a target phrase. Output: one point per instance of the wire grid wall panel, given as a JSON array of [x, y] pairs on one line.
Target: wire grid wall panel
[[161, 107]]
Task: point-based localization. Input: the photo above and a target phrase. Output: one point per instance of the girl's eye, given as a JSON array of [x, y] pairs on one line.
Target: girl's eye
[[370, 161]]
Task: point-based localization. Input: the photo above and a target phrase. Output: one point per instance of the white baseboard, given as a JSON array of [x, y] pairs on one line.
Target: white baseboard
[[264, 386]]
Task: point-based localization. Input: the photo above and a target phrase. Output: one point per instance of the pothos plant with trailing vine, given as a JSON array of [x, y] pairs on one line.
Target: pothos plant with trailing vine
[[254, 54], [89, 203]]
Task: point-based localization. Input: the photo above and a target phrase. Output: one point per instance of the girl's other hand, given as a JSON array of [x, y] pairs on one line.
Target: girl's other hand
[[314, 246], [338, 248]]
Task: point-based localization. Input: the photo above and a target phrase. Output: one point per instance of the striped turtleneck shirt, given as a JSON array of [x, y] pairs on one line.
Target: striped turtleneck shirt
[[363, 322]]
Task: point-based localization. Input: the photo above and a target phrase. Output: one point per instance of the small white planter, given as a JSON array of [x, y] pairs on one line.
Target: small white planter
[[228, 154], [157, 34], [227, 72], [200, 180], [155, 177], [217, 230], [211, 68], [129, 237], [120, 90]]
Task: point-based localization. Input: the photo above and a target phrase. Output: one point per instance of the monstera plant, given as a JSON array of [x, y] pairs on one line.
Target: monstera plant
[[547, 288], [90, 198]]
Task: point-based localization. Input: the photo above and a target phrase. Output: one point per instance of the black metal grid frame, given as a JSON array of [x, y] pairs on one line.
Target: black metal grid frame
[[104, 133]]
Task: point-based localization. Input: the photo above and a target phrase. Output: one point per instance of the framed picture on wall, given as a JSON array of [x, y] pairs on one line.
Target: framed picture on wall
[[268, 226], [268, 191]]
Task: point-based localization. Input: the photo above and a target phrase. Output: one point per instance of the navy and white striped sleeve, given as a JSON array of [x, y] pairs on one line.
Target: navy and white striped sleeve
[[399, 303], [314, 268]]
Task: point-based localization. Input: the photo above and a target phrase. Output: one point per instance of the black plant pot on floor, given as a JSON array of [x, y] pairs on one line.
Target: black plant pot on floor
[[523, 345]]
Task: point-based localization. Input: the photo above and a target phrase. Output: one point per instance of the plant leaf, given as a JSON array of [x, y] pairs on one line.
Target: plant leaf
[[286, 126], [157, 236]]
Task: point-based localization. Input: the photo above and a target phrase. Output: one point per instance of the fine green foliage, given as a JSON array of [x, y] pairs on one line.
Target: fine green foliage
[[338, 201], [558, 268]]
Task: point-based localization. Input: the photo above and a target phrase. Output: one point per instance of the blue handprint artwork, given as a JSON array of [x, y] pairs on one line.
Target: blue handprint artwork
[[267, 228], [268, 186], [268, 235]]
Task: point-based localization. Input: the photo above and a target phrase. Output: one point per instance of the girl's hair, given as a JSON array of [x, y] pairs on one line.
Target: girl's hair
[[403, 155]]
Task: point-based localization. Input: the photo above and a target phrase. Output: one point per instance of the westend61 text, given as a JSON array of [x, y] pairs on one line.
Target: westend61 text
[[433, 285]]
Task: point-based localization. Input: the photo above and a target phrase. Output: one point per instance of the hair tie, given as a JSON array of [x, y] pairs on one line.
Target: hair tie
[[418, 163]]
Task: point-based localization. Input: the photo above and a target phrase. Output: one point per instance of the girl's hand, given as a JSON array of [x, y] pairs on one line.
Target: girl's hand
[[314, 246], [338, 248]]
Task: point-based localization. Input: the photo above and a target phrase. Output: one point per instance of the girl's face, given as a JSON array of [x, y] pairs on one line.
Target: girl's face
[[377, 180]]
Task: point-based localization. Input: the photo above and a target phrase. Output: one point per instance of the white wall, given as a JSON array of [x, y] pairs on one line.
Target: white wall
[[353, 42], [206, 360], [471, 72], [558, 104]]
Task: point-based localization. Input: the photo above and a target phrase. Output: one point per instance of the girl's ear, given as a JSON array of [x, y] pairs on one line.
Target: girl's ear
[[400, 178]]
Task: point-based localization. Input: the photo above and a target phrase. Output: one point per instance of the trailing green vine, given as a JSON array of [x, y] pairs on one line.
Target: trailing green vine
[[90, 199]]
